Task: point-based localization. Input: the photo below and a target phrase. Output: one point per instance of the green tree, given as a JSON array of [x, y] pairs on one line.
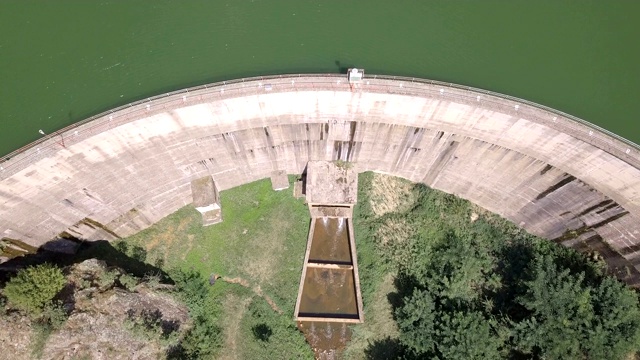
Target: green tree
[[614, 332], [33, 288], [455, 267], [468, 335], [433, 331], [416, 320], [572, 318], [560, 308]]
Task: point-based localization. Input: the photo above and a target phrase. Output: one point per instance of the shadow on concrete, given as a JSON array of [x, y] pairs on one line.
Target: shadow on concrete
[[65, 252]]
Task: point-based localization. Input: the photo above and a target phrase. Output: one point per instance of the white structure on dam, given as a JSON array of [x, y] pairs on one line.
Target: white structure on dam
[[121, 171]]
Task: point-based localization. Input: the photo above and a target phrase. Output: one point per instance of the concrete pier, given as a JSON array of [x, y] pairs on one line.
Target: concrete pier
[[123, 170]]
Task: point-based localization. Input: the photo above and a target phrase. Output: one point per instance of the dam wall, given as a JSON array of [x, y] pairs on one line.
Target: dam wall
[[121, 171]]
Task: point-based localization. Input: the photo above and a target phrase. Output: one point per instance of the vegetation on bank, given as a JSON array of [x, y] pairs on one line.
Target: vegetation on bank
[[33, 288], [440, 278], [32, 291], [254, 256], [469, 285]]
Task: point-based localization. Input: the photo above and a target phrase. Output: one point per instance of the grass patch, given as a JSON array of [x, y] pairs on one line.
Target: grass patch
[[259, 247]]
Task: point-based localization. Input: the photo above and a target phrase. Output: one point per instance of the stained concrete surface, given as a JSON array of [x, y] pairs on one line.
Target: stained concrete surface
[[126, 169]]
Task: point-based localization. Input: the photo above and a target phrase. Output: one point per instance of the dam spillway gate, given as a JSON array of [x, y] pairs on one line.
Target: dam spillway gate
[[329, 286]]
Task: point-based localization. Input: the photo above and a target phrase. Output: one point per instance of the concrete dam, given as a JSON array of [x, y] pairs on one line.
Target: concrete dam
[[119, 172]]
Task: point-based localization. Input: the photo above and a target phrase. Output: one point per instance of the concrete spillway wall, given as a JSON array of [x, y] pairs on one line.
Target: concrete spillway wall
[[121, 171]]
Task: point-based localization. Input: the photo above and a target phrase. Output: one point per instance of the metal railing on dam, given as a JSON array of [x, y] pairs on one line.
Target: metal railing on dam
[[566, 123], [129, 167]]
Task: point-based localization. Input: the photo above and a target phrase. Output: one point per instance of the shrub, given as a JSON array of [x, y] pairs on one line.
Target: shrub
[[203, 339], [149, 324], [152, 280], [83, 284], [108, 279], [34, 287], [129, 282], [53, 315], [190, 288]]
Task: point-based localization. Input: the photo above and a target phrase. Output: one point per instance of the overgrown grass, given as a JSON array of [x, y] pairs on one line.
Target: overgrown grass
[[258, 251]]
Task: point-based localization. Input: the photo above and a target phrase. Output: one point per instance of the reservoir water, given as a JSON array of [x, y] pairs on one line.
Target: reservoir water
[[63, 61]]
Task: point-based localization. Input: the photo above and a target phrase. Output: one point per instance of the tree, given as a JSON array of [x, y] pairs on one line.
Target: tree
[[468, 335], [572, 319], [615, 329], [416, 322], [433, 331], [33, 288], [456, 267]]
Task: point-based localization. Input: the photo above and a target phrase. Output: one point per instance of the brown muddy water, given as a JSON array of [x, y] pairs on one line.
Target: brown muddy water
[[328, 288], [330, 241], [329, 293], [327, 339]]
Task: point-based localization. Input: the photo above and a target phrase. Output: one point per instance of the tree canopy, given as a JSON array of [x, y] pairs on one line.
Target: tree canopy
[[484, 289]]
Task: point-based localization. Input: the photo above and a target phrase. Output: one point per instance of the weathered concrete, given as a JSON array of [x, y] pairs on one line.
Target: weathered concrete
[[279, 180], [331, 183], [206, 200], [121, 172]]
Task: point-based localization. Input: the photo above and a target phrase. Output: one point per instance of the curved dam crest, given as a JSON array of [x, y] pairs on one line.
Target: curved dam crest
[[121, 171]]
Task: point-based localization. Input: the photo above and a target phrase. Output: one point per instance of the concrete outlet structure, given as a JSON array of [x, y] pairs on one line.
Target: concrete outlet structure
[[330, 286], [120, 171]]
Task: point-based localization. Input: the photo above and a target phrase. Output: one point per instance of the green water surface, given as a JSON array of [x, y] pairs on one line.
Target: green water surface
[[62, 61]]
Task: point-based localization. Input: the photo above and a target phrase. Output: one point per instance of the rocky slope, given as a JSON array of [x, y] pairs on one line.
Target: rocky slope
[[111, 316]]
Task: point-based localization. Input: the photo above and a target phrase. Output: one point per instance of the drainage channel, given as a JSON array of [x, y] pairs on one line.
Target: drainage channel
[[329, 295]]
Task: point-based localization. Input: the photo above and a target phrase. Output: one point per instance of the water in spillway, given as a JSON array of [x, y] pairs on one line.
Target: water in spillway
[[327, 339], [330, 241]]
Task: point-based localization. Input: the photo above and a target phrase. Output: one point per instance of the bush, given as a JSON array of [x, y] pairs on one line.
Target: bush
[[108, 279], [34, 287], [152, 280], [53, 315], [203, 339], [190, 288], [149, 324], [129, 282]]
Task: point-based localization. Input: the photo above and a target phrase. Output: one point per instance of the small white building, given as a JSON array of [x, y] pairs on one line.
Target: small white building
[[355, 75]]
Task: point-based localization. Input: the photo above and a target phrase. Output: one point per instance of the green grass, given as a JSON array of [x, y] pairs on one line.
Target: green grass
[[40, 336], [259, 248], [261, 242]]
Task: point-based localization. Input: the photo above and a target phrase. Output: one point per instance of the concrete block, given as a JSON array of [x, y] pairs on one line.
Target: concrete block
[[279, 180], [206, 200]]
